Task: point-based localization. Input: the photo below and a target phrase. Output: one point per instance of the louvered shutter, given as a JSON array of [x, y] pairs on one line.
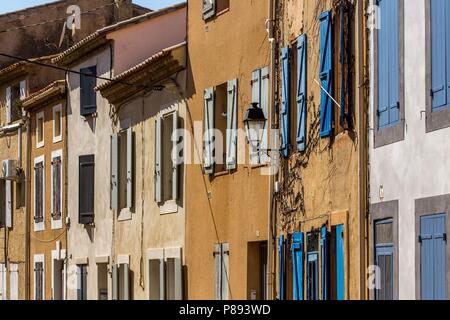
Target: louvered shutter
[[209, 131], [256, 98], [162, 279], [209, 9], [114, 171], [88, 96], [39, 268], [56, 214], [218, 271], [178, 278], [264, 104], [285, 101], [39, 192], [301, 92], [8, 203], [13, 281], [174, 155], [281, 268], [86, 189], [325, 262], [225, 270], [340, 275], [158, 160], [232, 125], [394, 66], [130, 174], [115, 282], [126, 281], [326, 74], [8, 97], [438, 53], [297, 265]]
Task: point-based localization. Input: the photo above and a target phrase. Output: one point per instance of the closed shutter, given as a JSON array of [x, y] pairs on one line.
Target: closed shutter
[[174, 156], [209, 131], [256, 98], [8, 96], [158, 160], [178, 275], [115, 283], [340, 274], [281, 269], [9, 201], [301, 92], [264, 104], [218, 271], [39, 271], [2, 282], [439, 53], [162, 279], [326, 74], [86, 189], [82, 283], [209, 8], [39, 192], [56, 214], [130, 173], [325, 262], [13, 281], [225, 270], [297, 265], [232, 125], [114, 172], [285, 101], [126, 281], [88, 96]]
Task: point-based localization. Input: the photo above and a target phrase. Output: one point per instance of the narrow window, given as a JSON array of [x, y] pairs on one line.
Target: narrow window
[[86, 189], [384, 259], [88, 96], [39, 192], [39, 280], [40, 130], [312, 266], [222, 270], [56, 188], [57, 123], [82, 282]]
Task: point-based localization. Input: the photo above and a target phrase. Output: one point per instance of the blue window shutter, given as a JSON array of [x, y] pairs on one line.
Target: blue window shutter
[[394, 67], [340, 274], [297, 265], [285, 101], [326, 74], [301, 92], [383, 65], [438, 54], [325, 262], [281, 268], [88, 96]]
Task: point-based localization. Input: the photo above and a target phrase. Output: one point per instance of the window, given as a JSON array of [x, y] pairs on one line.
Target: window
[[102, 281], [57, 123], [58, 277], [165, 274], [256, 270], [312, 266], [13, 281], [40, 130], [326, 75], [39, 278], [6, 216], [384, 259], [86, 189], [56, 190], [88, 96], [14, 95], [39, 198], [2, 281], [123, 285], [212, 8], [260, 95], [222, 270], [82, 282], [122, 169], [166, 164]]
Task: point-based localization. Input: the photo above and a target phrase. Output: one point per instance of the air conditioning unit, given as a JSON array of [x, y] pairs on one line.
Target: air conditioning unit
[[9, 170]]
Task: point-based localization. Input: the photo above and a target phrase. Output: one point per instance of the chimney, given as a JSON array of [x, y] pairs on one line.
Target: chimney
[[123, 10]]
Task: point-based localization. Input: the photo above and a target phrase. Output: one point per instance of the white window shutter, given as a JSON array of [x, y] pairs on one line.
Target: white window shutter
[[115, 283], [2, 281], [256, 98], [114, 172], [129, 168], [178, 274], [218, 271], [209, 135], [158, 160], [264, 158], [162, 279], [174, 156], [126, 281], [232, 125], [8, 204], [13, 281], [23, 89], [225, 270], [8, 104]]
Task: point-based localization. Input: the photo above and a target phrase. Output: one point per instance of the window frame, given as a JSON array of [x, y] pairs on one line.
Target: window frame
[[57, 224], [39, 226], [39, 116], [57, 108]]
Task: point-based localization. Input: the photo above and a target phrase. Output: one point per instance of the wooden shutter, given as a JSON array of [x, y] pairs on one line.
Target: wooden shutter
[[115, 283], [2, 282], [297, 265], [56, 166], [209, 131], [39, 285], [225, 270], [174, 155], [88, 96], [218, 271], [265, 87], [232, 125], [126, 281], [285, 101], [394, 65], [340, 262], [9, 205], [256, 98], [86, 189], [13, 281], [325, 262], [281, 269], [301, 92], [130, 173], [39, 192], [8, 96], [178, 278], [114, 172], [439, 54], [162, 279], [158, 160], [209, 9], [326, 74]]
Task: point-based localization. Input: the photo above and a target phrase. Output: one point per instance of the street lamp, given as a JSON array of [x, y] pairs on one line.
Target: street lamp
[[255, 122]]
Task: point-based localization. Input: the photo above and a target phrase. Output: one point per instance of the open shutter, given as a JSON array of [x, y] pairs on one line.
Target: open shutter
[[326, 74], [8, 96], [56, 167], [126, 281], [383, 65], [340, 275], [281, 268], [264, 104], [256, 98], [8, 209], [225, 270], [297, 265], [158, 160], [209, 131], [88, 96], [218, 271], [301, 92], [174, 154], [23, 89], [162, 279], [325, 262], [438, 54], [178, 274], [285, 101], [394, 66], [114, 172], [115, 282], [86, 189], [232, 125], [130, 173], [209, 8]]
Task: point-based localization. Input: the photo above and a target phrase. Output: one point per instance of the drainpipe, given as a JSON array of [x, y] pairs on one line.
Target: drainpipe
[[27, 187], [270, 27]]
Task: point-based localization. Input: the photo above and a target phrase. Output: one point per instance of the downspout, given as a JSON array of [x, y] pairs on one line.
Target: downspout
[[27, 183], [270, 27], [66, 180]]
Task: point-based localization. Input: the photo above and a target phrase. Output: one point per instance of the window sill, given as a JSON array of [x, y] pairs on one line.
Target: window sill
[[39, 227], [57, 139], [389, 135], [57, 224], [40, 145], [125, 215], [437, 120], [169, 207]]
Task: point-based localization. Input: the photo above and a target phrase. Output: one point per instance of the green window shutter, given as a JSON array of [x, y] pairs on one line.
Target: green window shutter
[[175, 165], [209, 131], [114, 172], [158, 160], [232, 125], [130, 173]]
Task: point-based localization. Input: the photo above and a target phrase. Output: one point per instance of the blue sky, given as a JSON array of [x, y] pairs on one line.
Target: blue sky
[[8, 5]]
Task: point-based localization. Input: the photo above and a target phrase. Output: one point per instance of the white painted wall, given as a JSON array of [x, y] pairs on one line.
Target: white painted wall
[[418, 166]]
